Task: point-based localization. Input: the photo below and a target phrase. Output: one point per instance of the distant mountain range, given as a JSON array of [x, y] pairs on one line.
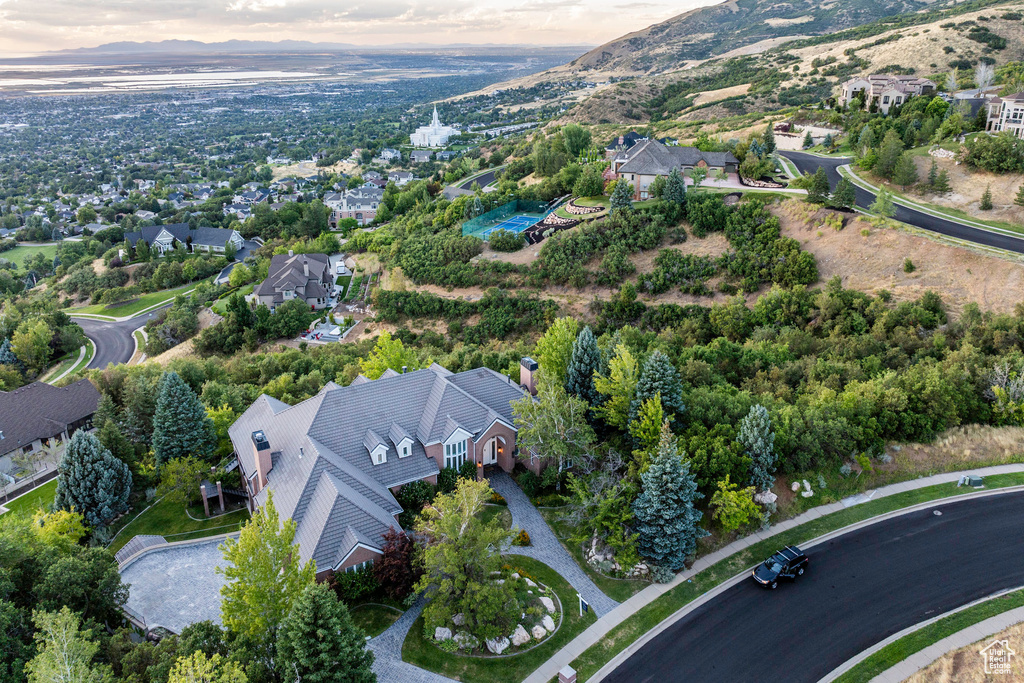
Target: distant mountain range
[[264, 46]]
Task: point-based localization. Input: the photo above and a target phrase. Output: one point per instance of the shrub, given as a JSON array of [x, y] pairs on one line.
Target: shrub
[[522, 539], [447, 479], [908, 266], [468, 470], [529, 483], [498, 499], [351, 586], [661, 574], [506, 240], [865, 462]]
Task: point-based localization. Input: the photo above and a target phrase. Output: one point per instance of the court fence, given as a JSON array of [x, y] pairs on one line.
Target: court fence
[[496, 215]]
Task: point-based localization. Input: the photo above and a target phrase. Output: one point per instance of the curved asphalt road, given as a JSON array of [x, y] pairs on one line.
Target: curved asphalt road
[[859, 589], [483, 180], [808, 164], [113, 340]]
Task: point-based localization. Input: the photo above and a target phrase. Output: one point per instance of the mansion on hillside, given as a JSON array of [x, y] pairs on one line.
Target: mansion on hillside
[[306, 277], [885, 89], [161, 238], [1006, 114], [434, 135], [647, 160], [335, 461]]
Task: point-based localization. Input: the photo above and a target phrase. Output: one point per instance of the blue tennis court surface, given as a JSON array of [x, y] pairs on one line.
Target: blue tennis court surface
[[512, 224]]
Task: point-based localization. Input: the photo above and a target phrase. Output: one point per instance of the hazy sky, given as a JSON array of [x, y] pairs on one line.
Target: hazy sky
[[43, 25]]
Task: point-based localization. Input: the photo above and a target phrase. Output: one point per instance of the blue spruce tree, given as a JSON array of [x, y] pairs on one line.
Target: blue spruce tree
[[92, 481], [667, 523], [584, 362], [758, 441], [658, 375], [181, 427]]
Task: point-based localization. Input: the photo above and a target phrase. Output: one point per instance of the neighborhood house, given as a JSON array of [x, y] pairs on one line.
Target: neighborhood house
[[161, 238], [1006, 114], [335, 461], [360, 203], [647, 160], [884, 89], [32, 415], [306, 277]]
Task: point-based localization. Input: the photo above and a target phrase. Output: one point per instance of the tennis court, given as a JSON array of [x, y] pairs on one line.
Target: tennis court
[[515, 216], [513, 224]]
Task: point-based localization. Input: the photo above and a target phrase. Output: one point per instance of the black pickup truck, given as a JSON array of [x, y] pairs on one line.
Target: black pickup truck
[[788, 563]]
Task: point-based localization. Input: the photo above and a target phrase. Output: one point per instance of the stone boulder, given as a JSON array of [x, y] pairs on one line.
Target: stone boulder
[[765, 498], [549, 604], [548, 623], [498, 645], [466, 640], [539, 633], [442, 634], [459, 619], [520, 636], [530, 583]]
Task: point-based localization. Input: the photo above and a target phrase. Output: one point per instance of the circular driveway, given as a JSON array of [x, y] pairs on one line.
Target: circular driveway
[[860, 588]]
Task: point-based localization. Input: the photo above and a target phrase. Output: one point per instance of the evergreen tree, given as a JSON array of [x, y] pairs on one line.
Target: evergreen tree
[[883, 204], [768, 140], [905, 172], [758, 441], [867, 139], [675, 187], [1018, 200], [115, 442], [986, 199], [622, 196], [319, 643], [818, 192], [933, 174], [106, 411], [92, 481], [664, 513], [845, 196], [942, 185], [888, 154], [181, 426], [7, 356], [658, 376], [808, 140], [583, 365]]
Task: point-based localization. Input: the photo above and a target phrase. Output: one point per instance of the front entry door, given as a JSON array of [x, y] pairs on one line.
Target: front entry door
[[491, 453]]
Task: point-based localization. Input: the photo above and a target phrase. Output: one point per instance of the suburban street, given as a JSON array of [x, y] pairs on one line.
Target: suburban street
[[483, 180], [113, 340], [860, 588], [809, 163]]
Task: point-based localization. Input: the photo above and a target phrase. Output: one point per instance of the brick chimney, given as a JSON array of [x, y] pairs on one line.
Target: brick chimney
[[261, 449], [305, 266], [528, 375]]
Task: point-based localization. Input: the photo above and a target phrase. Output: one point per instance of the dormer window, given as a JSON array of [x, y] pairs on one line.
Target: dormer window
[[379, 455], [405, 451]]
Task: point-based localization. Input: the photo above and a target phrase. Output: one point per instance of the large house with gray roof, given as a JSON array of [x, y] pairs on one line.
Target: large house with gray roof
[[647, 160], [162, 238], [33, 415], [335, 461], [306, 277]]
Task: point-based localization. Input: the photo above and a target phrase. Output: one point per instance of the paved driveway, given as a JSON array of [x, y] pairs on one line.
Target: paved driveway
[[177, 585]]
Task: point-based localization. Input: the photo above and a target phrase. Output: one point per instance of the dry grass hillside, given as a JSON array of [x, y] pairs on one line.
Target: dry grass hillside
[[966, 665]]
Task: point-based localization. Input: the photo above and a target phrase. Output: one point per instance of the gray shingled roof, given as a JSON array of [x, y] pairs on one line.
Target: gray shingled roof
[[39, 411], [322, 475], [653, 158], [288, 271]]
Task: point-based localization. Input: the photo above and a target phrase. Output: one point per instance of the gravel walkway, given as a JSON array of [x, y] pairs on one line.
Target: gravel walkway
[[387, 651], [545, 546]]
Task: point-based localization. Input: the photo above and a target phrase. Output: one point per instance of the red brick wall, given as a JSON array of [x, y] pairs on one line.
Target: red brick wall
[[359, 555], [506, 461]]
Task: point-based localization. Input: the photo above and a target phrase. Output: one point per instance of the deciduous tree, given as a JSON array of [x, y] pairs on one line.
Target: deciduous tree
[[553, 427], [732, 506], [66, 652], [394, 570], [199, 668], [555, 348], [388, 352], [617, 388]]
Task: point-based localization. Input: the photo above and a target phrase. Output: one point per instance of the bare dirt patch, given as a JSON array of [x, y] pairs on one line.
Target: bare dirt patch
[[875, 262], [966, 665], [721, 93], [969, 184]]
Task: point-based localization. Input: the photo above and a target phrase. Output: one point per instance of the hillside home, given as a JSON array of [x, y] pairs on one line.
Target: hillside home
[[885, 89], [360, 203], [651, 159], [161, 238], [306, 277], [1006, 114], [335, 461], [32, 415]]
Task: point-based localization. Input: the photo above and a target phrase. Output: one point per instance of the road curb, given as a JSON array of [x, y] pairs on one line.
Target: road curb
[[854, 661], [647, 637]]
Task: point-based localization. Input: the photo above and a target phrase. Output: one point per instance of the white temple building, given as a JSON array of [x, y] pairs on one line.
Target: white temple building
[[434, 135]]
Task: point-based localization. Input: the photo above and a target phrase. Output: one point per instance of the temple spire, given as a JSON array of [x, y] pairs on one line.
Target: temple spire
[[435, 122]]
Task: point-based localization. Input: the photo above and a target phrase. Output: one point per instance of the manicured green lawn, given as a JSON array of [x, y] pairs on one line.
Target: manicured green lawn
[[170, 521], [143, 302], [18, 255], [500, 511], [665, 606], [374, 619], [422, 652], [343, 282], [220, 306], [37, 498], [619, 590], [894, 653]]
